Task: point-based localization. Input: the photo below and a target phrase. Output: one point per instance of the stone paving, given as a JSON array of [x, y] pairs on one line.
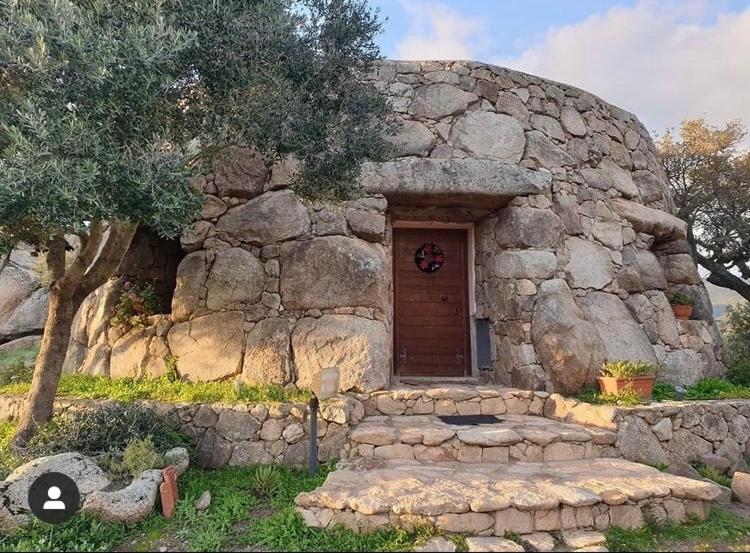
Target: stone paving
[[489, 499], [512, 438]]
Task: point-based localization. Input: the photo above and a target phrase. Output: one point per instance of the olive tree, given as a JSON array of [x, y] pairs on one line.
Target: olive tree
[[108, 106]]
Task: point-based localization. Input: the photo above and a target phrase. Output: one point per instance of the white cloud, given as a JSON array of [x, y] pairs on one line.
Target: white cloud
[[664, 62], [439, 32]]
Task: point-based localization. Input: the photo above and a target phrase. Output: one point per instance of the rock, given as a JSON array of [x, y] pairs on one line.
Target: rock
[[741, 487], [651, 187], [650, 221], [492, 544], [360, 348], [682, 367], [129, 356], [209, 347], [640, 271], [293, 433], [272, 217], [609, 175], [572, 121], [511, 104], [130, 505], [367, 225], [248, 453], [189, 293], [239, 172], [539, 541], [333, 271], [721, 464], [489, 135], [81, 469], [589, 266], [547, 154], [237, 426], [621, 336], [268, 353], [548, 125], [203, 502], [636, 442], [663, 429], [237, 279], [687, 447], [578, 539], [435, 101], [566, 344], [213, 451], [627, 517], [412, 139], [519, 227], [179, 458], [686, 470], [608, 233], [680, 269], [525, 264], [436, 544]]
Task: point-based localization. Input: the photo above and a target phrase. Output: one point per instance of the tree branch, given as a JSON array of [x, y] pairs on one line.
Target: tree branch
[[720, 276], [90, 247], [112, 251]]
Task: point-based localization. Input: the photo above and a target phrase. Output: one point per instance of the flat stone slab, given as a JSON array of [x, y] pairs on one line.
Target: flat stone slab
[[523, 498], [511, 438]]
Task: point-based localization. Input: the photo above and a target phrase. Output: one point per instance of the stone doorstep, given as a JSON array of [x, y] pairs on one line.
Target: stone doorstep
[[488, 499], [512, 438]]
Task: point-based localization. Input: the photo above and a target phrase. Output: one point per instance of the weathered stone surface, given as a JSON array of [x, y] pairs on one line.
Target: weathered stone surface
[[484, 134], [360, 348], [589, 266], [179, 458], [130, 355], [492, 544], [437, 544], [519, 227], [333, 271], [525, 264], [741, 486], [237, 426], [246, 454], [451, 181], [548, 125], [128, 505], [240, 173], [621, 336], [272, 217], [687, 447], [680, 269], [367, 225], [651, 221], [609, 175], [209, 347], [640, 271], [268, 353], [81, 469], [637, 443], [572, 121], [237, 278], [213, 451], [189, 295], [413, 139], [435, 101], [682, 367], [566, 344], [547, 154]]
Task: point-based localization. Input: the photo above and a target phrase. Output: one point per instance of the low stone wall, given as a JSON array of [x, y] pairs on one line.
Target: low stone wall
[[242, 434], [673, 432]]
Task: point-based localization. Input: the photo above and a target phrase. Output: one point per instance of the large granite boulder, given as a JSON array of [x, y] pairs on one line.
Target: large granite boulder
[[190, 291], [239, 172], [640, 271], [272, 217], [589, 264], [489, 135], [438, 100], [268, 353], [23, 300], [209, 347], [567, 345], [360, 348], [523, 227], [608, 175], [621, 336], [129, 505], [412, 138], [333, 271], [237, 279]]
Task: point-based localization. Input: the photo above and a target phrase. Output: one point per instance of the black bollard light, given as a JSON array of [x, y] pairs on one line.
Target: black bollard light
[[325, 385]]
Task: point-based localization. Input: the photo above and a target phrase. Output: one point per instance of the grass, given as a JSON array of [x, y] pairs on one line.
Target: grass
[[720, 528], [712, 474], [128, 390], [707, 389], [25, 355]]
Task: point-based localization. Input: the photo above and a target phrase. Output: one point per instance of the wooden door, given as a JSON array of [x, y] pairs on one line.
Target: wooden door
[[431, 310]]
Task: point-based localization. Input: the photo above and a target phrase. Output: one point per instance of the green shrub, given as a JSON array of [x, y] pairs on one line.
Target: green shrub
[[664, 392], [137, 301], [627, 369], [680, 298], [714, 388], [626, 398], [736, 330], [265, 481], [25, 355], [97, 431], [15, 373], [170, 362], [711, 473], [140, 455]]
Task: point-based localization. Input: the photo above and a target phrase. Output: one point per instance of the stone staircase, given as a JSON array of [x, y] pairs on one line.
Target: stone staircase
[[514, 472]]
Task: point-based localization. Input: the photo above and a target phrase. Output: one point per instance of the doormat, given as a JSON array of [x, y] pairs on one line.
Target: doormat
[[463, 420]]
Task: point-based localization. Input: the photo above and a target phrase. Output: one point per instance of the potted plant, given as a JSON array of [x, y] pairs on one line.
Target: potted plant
[[618, 376], [682, 305]]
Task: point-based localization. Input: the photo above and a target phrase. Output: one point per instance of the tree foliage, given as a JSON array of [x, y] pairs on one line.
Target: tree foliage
[[709, 175]]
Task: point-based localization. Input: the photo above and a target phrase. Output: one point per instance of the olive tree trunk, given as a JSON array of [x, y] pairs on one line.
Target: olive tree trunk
[[102, 250]]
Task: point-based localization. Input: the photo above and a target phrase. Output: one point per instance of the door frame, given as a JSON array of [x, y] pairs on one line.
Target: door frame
[[470, 288]]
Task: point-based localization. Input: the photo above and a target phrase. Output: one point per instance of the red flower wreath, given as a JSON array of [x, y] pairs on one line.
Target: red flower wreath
[[429, 258]]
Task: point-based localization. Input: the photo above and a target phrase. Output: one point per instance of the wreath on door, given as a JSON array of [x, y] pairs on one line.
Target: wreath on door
[[429, 258]]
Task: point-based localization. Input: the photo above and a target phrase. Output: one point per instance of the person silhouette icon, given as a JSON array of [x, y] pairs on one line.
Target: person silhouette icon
[[53, 503]]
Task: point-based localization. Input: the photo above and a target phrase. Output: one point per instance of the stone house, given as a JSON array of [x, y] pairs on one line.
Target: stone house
[[523, 234]]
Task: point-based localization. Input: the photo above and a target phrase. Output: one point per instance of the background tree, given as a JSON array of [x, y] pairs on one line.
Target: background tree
[[107, 106], [709, 175]]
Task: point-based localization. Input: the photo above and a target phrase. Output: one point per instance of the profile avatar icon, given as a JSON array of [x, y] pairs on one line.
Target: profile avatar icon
[[54, 503], [54, 497]]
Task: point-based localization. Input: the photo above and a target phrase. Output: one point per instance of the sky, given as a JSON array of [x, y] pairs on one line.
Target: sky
[[662, 60]]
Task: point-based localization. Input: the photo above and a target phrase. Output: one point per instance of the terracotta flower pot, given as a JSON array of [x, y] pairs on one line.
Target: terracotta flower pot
[[682, 311], [642, 385]]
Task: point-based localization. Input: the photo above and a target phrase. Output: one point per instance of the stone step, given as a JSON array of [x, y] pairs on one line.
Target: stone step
[[513, 438], [489, 499]]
